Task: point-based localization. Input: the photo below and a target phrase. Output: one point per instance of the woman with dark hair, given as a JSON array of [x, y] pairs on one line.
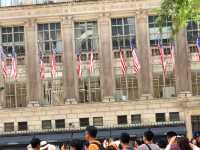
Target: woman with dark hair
[[183, 143], [76, 145], [63, 146]]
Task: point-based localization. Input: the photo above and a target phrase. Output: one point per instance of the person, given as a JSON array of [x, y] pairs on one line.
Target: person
[[63, 146], [174, 145], [29, 147], [182, 142], [113, 145], [197, 137], [90, 137], [44, 145], [124, 141], [193, 141], [76, 145], [148, 142], [35, 144]]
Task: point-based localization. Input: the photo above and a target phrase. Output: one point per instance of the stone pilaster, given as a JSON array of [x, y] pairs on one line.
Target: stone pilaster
[[106, 58], [69, 60], [183, 66], [145, 75], [32, 64], [1, 88]]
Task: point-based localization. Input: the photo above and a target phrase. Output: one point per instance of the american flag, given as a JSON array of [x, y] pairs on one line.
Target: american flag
[[91, 63], [198, 46], [3, 63], [42, 68], [123, 62], [53, 63], [162, 59], [172, 55], [79, 66], [136, 63], [14, 65]]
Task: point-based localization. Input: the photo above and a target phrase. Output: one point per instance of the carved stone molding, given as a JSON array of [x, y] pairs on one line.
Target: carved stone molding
[[141, 15], [30, 23], [67, 21], [104, 18]]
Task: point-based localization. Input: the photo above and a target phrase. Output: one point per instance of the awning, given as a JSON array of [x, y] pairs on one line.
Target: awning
[[56, 137]]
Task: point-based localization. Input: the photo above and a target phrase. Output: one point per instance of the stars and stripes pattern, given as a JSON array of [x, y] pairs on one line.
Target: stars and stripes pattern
[[91, 62], [42, 67], [136, 63], [53, 63], [162, 59], [13, 73], [79, 66], [172, 55], [3, 63], [198, 46], [123, 62]]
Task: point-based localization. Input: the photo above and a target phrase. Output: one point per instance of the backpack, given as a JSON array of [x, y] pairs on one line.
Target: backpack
[[101, 147]]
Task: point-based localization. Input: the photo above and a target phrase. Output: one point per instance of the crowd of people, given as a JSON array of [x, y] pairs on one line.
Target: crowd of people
[[90, 142]]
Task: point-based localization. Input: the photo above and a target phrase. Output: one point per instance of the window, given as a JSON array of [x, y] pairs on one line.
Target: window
[[195, 123], [46, 124], [84, 122], [4, 3], [136, 119], [98, 121], [13, 39], [86, 36], [126, 87], [195, 83], [123, 32], [154, 33], [174, 116], [53, 91], [60, 123], [41, 1], [22, 126], [193, 31], [9, 126], [166, 90], [90, 90], [49, 37], [15, 94], [160, 117], [122, 120]]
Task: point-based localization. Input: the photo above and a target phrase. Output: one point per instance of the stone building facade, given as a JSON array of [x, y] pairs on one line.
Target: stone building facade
[[105, 97]]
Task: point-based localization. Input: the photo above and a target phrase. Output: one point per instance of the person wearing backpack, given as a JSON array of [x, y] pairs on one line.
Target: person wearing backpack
[[90, 137], [148, 142]]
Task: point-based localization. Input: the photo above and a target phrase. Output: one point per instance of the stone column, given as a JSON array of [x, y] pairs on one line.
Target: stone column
[[1, 87], [183, 66], [69, 60], [145, 75], [32, 64], [1, 80], [106, 58]]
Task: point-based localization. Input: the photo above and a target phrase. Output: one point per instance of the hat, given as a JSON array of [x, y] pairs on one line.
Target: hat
[[44, 145], [29, 147]]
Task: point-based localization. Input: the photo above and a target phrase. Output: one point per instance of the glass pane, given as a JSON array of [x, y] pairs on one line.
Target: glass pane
[[115, 43], [53, 35], [46, 35], [114, 30], [119, 21], [120, 30], [52, 26], [114, 21]]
